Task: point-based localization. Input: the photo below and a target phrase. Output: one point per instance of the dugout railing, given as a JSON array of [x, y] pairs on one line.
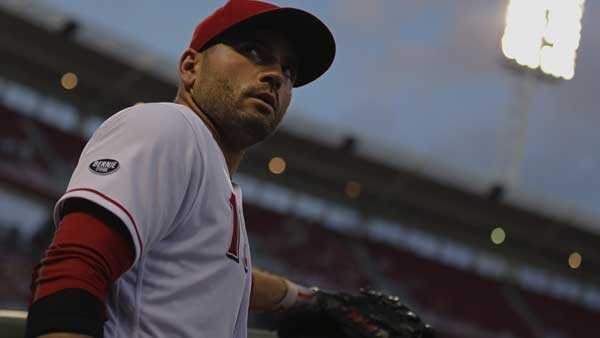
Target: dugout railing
[[12, 325]]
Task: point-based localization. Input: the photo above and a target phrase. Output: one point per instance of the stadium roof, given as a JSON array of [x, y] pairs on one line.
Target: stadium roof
[[429, 91], [447, 138]]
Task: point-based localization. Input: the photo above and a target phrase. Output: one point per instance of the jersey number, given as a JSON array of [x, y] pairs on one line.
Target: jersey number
[[234, 246]]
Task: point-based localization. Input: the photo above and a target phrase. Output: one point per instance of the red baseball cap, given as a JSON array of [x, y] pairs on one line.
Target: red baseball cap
[[312, 41]]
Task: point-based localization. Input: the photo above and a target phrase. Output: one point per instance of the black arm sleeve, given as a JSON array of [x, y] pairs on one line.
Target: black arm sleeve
[[69, 310]]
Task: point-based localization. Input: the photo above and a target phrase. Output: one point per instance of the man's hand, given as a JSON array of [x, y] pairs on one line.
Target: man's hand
[[369, 314]]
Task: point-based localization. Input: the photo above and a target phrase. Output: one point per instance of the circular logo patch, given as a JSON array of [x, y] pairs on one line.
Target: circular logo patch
[[104, 167]]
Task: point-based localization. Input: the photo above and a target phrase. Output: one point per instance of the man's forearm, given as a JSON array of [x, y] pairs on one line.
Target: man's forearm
[[269, 290]]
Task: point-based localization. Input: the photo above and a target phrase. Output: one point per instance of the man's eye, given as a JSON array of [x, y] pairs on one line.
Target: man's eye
[[252, 52]]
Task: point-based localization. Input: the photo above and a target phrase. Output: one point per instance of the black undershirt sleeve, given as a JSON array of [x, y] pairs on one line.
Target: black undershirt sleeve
[[69, 310]]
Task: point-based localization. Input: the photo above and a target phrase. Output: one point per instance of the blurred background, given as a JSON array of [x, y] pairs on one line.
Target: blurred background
[[450, 155]]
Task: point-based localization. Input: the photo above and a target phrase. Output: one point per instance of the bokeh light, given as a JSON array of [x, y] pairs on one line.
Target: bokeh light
[[575, 260], [353, 189], [498, 236], [68, 81], [277, 165]]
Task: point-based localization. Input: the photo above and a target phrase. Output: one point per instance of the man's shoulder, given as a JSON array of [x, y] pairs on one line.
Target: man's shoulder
[[155, 120], [156, 123], [156, 113]]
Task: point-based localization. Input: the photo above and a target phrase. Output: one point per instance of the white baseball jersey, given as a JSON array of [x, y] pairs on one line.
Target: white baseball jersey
[[158, 168]]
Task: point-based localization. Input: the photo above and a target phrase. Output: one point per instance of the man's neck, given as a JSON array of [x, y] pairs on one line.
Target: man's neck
[[232, 157]]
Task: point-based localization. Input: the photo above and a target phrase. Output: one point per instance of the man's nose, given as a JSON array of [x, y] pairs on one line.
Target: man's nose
[[273, 76]]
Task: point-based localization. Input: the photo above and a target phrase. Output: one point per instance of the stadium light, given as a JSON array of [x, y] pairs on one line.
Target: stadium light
[[544, 34]]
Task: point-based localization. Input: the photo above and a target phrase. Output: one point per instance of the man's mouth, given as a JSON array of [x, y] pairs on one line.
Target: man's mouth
[[268, 99]]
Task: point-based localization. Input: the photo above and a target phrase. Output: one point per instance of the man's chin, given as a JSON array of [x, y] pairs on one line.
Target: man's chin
[[253, 131]]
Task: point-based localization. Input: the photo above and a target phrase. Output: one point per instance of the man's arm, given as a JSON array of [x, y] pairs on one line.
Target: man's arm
[[275, 293], [268, 290], [69, 287]]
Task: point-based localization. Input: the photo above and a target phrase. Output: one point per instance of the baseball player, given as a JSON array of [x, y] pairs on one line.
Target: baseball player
[[151, 239]]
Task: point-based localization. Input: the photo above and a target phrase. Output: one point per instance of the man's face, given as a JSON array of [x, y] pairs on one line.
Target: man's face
[[244, 85]]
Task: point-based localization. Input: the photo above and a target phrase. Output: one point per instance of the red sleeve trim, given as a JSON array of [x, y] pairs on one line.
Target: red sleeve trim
[[85, 254], [252, 293], [118, 205]]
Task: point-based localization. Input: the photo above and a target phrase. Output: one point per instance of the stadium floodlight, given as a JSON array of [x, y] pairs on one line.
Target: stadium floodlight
[[544, 34]]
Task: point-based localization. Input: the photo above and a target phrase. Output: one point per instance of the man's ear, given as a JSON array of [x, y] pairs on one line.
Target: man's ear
[[187, 67]]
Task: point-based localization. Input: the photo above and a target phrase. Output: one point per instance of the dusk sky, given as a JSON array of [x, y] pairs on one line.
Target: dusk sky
[[422, 85]]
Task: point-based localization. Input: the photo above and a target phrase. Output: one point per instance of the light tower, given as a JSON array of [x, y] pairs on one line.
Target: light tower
[[541, 38]]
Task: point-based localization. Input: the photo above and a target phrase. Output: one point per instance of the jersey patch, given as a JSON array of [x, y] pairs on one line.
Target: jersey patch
[[104, 166]]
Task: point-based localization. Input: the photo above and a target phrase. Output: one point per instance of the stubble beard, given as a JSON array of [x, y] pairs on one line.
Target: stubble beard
[[221, 101]]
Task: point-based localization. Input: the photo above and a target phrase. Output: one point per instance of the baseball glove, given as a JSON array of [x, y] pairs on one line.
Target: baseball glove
[[370, 314]]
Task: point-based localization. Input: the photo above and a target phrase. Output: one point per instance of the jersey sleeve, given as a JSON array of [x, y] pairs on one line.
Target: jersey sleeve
[[141, 165]]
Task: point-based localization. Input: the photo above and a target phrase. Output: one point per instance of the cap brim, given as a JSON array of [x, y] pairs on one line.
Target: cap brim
[[312, 41]]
